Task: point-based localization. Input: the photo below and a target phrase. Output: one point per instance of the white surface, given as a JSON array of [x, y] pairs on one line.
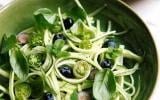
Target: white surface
[[149, 11]]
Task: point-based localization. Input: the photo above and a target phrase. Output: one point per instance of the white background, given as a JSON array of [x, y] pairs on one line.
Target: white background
[[149, 11]]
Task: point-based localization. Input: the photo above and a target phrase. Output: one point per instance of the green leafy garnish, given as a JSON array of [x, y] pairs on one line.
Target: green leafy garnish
[[82, 31], [78, 12], [74, 96], [8, 43], [113, 53], [104, 85], [46, 19], [56, 49], [37, 87], [19, 63]]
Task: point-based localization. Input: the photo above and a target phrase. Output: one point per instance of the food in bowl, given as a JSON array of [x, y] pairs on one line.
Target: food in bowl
[[67, 56]]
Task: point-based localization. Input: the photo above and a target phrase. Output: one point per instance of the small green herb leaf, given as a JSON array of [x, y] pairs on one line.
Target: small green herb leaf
[[56, 49], [113, 53], [82, 31], [74, 96], [18, 63], [46, 19], [104, 85], [36, 84], [8, 43], [58, 44], [78, 12]]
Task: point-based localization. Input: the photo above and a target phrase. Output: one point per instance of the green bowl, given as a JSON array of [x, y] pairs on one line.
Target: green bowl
[[18, 16]]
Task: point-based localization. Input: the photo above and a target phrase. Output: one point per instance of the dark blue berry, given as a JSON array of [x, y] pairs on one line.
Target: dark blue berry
[[106, 63], [66, 71], [58, 36], [110, 43], [48, 96], [68, 22]]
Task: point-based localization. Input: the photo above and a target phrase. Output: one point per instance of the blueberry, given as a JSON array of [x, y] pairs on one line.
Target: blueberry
[[58, 36], [48, 96], [110, 43], [66, 71], [68, 22], [106, 63]]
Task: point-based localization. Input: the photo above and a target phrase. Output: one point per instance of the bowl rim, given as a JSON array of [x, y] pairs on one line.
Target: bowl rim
[[156, 87]]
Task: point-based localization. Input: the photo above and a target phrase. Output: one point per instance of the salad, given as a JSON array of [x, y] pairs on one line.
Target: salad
[[67, 56]]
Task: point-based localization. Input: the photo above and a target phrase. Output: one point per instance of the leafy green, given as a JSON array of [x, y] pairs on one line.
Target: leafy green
[[78, 12], [22, 91], [56, 49], [18, 63], [82, 31], [87, 84], [46, 19], [104, 85], [8, 43], [36, 86], [74, 96], [113, 53]]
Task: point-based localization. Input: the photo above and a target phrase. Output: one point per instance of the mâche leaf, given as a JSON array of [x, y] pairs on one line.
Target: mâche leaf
[[8, 43], [18, 63], [104, 85]]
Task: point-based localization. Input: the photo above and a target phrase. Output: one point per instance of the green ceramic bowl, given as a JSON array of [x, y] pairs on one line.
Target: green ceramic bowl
[[18, 16]]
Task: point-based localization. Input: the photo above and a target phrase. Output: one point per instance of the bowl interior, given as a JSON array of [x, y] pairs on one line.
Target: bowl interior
[[19, 15]]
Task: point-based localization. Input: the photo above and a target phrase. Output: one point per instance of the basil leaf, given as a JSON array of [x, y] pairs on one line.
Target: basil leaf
[[82, 31], [58, 44], [78, 12], [74, 96], [113, 53], [45, 18], [18, 63], [36, 86], [8, 43], [104, 85]]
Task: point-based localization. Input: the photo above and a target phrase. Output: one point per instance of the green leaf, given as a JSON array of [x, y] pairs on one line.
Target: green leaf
[[55, 49], [8, 43], [36, 84], [46, 19], [113, 53], [82, 31], [104, 85], [74, 96], [78, 12], [58, 44], [19, 63], [45, 15], [63, 54]]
